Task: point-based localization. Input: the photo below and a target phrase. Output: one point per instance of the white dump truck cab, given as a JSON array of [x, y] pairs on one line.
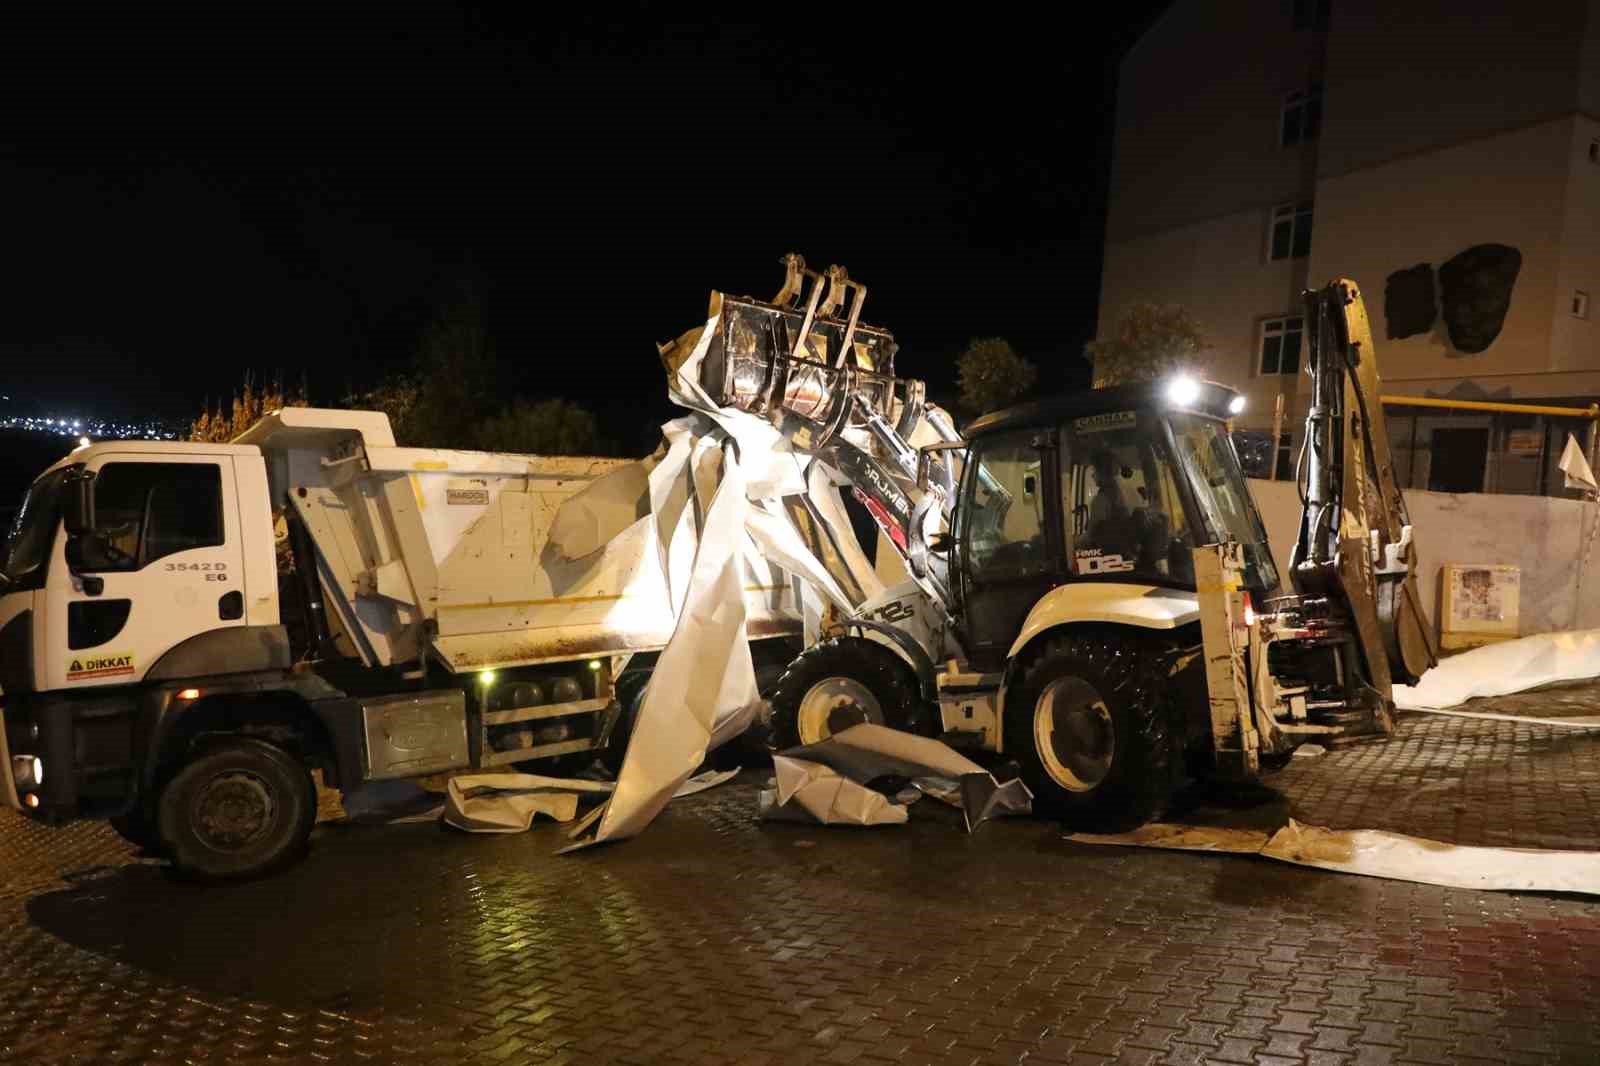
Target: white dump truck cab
[[188, 630], [132, 566]]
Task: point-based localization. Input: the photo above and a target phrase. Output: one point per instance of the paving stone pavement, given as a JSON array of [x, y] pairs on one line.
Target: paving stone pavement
[[715, 939]]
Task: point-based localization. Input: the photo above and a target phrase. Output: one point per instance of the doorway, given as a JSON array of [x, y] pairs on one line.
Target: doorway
[[1457, 463]]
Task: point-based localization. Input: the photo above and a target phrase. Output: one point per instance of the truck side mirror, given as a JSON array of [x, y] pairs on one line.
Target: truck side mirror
[[77, 504]]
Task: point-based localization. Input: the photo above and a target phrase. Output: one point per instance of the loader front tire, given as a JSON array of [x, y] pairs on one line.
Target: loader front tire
[[1092, 730], [841, 682], [239, 808]]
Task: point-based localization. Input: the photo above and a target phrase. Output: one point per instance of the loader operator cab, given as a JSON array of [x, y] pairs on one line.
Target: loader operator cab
[[1116, 486]]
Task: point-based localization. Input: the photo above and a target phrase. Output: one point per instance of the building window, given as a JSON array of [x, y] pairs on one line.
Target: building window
[[1311, 14], [1302, 117], [1280, 344], [1291, 231], [1580, 304]]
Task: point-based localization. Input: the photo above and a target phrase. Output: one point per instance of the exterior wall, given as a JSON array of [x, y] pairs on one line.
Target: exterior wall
[[1181, 111], [1544, 536], [1589, 79], [1219, 270], [1507, 189], [1414, 76], [1575, 342], [1445, 126]]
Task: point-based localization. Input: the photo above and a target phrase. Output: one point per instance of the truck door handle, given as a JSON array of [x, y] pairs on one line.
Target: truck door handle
[[230, 607]]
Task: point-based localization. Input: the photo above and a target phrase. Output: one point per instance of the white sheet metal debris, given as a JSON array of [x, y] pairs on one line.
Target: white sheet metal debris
[[856, 757], [1504, 668], [811, 792], [509, 803], [1372, 853], [1575, 468]]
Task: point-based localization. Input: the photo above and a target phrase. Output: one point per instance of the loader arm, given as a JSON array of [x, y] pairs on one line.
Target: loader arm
[[806, 362]]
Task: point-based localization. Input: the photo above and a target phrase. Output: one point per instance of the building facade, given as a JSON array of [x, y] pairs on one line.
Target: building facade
[[1444, 156]]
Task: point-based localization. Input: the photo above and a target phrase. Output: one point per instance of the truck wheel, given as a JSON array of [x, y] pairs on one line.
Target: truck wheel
[[841, 682], [1089, 726], [240, 808], [630, 697], [137, 828]]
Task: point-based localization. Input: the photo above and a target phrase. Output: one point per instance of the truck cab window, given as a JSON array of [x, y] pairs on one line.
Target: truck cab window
[[147, 511], [1005, 517]]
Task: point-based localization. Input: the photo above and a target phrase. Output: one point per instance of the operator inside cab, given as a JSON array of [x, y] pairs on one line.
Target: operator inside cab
[[1111, 526]]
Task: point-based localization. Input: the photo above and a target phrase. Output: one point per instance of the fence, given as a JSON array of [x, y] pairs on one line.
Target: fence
[[1542, 535]]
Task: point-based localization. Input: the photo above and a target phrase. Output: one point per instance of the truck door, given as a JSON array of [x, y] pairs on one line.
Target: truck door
[[1005, 535], [164, 563]]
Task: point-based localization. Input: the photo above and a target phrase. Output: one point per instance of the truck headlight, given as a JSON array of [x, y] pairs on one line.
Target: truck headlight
[[27, 771]]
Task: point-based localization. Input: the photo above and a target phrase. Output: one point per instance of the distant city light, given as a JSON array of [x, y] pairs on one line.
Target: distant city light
[[84, 429]]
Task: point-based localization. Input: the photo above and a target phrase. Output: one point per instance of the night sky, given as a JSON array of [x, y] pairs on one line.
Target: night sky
[[192, 195]]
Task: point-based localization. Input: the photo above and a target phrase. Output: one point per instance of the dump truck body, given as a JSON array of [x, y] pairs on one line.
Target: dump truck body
[[374, 611]]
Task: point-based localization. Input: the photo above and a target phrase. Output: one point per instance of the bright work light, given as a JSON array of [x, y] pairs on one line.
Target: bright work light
[[1183, 391]]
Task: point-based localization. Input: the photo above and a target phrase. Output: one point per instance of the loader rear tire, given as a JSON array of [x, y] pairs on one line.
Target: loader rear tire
[[842, 682], [1091, 727]]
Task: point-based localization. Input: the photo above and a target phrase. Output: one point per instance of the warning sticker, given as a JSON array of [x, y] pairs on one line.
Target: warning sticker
[[93, 667]]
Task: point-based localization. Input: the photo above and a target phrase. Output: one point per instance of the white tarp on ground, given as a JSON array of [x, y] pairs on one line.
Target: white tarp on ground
[[868, 753], [1504, 668], [1372, 853]]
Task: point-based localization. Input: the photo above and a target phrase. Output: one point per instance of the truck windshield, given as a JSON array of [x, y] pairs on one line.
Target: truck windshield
[[1207, 454], [26, 550]]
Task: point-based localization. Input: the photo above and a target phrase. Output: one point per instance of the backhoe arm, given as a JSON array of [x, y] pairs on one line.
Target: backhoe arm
[[1355, 548]]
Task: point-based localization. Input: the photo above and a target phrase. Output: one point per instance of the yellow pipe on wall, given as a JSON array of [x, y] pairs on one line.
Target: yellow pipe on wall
[[1590, 412]]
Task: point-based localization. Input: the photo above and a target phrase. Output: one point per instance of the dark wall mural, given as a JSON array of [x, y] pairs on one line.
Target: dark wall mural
[[1475, 291], [1409, 306]]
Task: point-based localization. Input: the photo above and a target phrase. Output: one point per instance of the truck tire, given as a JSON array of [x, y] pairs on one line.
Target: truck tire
[[630, 697], [1091, 729], [841, 682], [240, 807], [137, 828]]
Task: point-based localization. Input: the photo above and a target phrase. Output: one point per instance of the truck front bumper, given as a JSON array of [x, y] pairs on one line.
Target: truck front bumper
[[8, 786]]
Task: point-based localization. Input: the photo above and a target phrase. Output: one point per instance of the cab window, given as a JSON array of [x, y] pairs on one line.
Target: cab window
[[147, 511], [1124, 515], [1004, 519]]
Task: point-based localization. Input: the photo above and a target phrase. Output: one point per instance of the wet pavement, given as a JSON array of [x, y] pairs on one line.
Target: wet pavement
[[716, 939]]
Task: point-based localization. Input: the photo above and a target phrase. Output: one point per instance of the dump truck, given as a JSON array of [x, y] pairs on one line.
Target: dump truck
[[1090, 591], [188, 630]]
